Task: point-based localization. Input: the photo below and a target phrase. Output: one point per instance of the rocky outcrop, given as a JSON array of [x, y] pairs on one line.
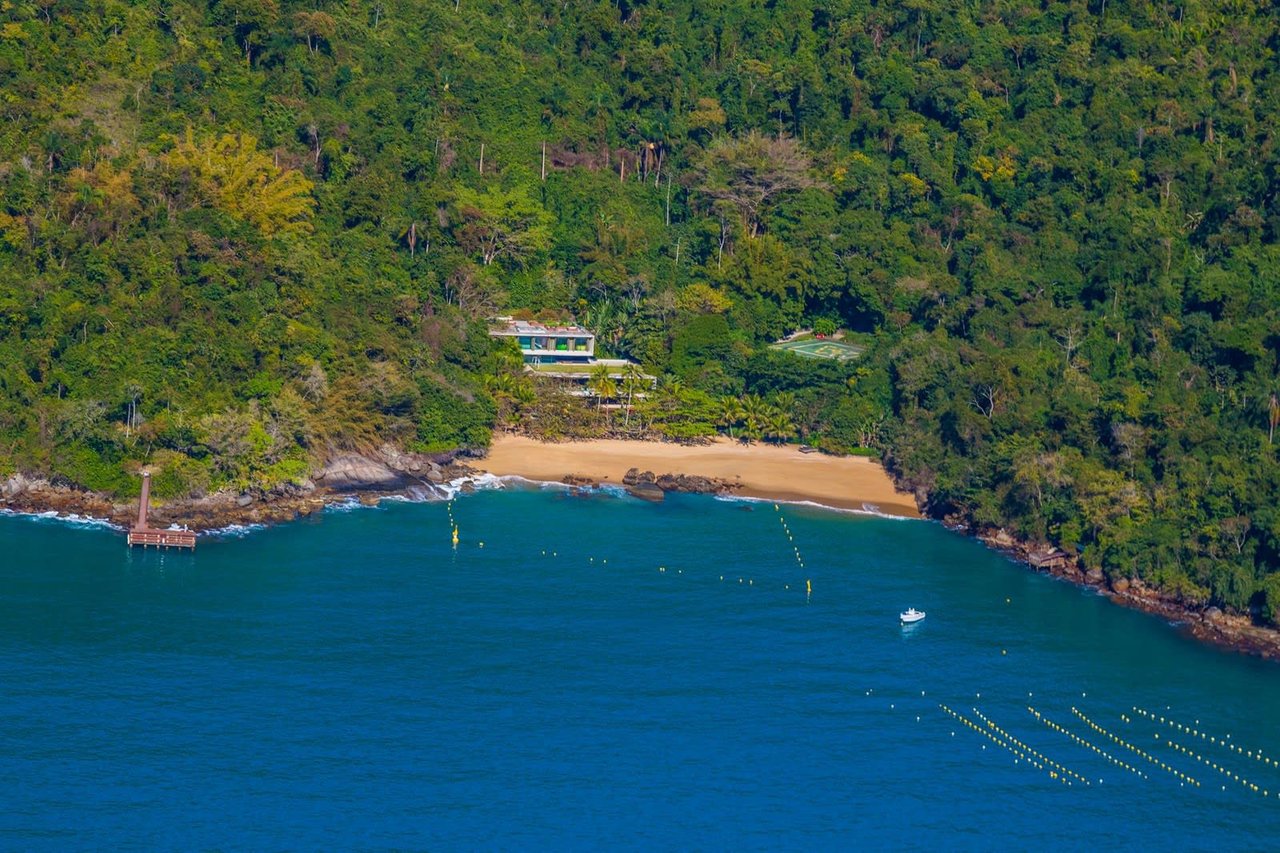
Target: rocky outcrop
[[635, 475], [366, 476], [689, 483], [646, 491], [579, 482], [387, 470], [351, 472], [693, 484], [434, 469], [14, 486]]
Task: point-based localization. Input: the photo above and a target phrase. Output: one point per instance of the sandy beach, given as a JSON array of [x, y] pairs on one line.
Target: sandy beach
[[765, 471]]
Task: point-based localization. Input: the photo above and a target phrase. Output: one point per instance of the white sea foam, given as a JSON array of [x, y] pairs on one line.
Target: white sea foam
[[479, 481], [236, 530], [527, 482], [345, 505], [612, 489], [72, 519], [867, 509]]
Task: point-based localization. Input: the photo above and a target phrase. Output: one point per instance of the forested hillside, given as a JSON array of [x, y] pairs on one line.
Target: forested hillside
[[236, 236]]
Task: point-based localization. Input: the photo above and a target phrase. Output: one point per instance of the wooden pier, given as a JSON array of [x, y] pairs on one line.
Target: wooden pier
[[141, 534]]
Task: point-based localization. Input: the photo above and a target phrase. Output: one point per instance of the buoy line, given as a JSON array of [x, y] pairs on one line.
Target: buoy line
[[1255, 754], [1220, 768], [1023, 746], [808, 585], [1086, 744], [1157, 762], [790, 537], [1030, 756]]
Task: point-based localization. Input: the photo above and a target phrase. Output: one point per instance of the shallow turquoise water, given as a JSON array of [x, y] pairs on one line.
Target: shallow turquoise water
[[353, 681]]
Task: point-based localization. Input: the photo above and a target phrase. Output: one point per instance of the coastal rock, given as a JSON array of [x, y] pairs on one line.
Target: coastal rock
[[352, 472], [693, 484], [579, 481], [409, 463], [1212, 614], [1093, 576], [14, 486], [244, 500], [999, 539], [646, 491], [1120, 585], [635, 475]]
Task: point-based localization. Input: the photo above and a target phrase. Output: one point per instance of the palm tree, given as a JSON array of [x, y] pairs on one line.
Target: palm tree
[[754, 410], [672, 388], [786, 403], [778, 425], [633, 382], [728, 413], [602, 385]]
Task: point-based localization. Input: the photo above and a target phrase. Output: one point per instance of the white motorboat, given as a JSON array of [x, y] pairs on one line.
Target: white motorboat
[[911, 615]]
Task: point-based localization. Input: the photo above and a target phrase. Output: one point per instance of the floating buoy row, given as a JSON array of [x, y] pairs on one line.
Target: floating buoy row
[[1018, 756], [1255, 754], [790, 538], [453, 524], [1086, 744], [1220, 768], [1026, 748], [1148, 756]]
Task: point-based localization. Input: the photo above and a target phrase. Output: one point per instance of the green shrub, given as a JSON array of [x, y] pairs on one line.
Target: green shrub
[[87, 469], [176, 476]]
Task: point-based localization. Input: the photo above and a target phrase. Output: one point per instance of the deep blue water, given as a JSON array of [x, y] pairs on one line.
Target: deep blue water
[[353, 681]]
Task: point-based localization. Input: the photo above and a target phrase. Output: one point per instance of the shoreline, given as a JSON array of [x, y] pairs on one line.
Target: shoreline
[[771, 476], [756, 471], [1210, 625]]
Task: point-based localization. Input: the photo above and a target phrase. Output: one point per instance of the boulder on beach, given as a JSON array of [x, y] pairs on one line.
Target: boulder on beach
[[635, 475], [646, 491], [691, 483]]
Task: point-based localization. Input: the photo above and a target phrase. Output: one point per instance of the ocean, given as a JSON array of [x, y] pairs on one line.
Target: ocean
[[602, 673]]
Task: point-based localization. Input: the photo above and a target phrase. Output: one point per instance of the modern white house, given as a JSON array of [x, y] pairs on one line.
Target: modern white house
[[562, 352], [543, 344]]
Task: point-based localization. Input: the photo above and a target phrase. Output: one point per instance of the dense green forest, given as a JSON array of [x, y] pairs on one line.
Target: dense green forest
[[238, 235]]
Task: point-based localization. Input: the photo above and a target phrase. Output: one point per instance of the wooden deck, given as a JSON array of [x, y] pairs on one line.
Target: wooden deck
[[142, 534], [162, 538]]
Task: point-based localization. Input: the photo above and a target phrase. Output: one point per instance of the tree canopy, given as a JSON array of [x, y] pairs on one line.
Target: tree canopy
[[237, 235]]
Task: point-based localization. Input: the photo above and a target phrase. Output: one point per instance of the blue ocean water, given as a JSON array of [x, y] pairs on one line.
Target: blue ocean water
[[601, 672]]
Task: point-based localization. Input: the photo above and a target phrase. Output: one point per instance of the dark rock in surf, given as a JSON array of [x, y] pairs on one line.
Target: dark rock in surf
[[647, 492]]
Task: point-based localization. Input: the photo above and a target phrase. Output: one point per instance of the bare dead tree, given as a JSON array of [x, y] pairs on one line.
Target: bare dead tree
[[1273, 411], [750, 172], [985, 398]]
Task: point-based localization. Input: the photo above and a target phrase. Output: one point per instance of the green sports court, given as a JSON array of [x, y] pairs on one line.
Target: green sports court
[[812, 348]]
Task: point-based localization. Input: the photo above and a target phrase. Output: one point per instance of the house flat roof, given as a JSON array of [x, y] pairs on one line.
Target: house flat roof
[[526, 327]]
